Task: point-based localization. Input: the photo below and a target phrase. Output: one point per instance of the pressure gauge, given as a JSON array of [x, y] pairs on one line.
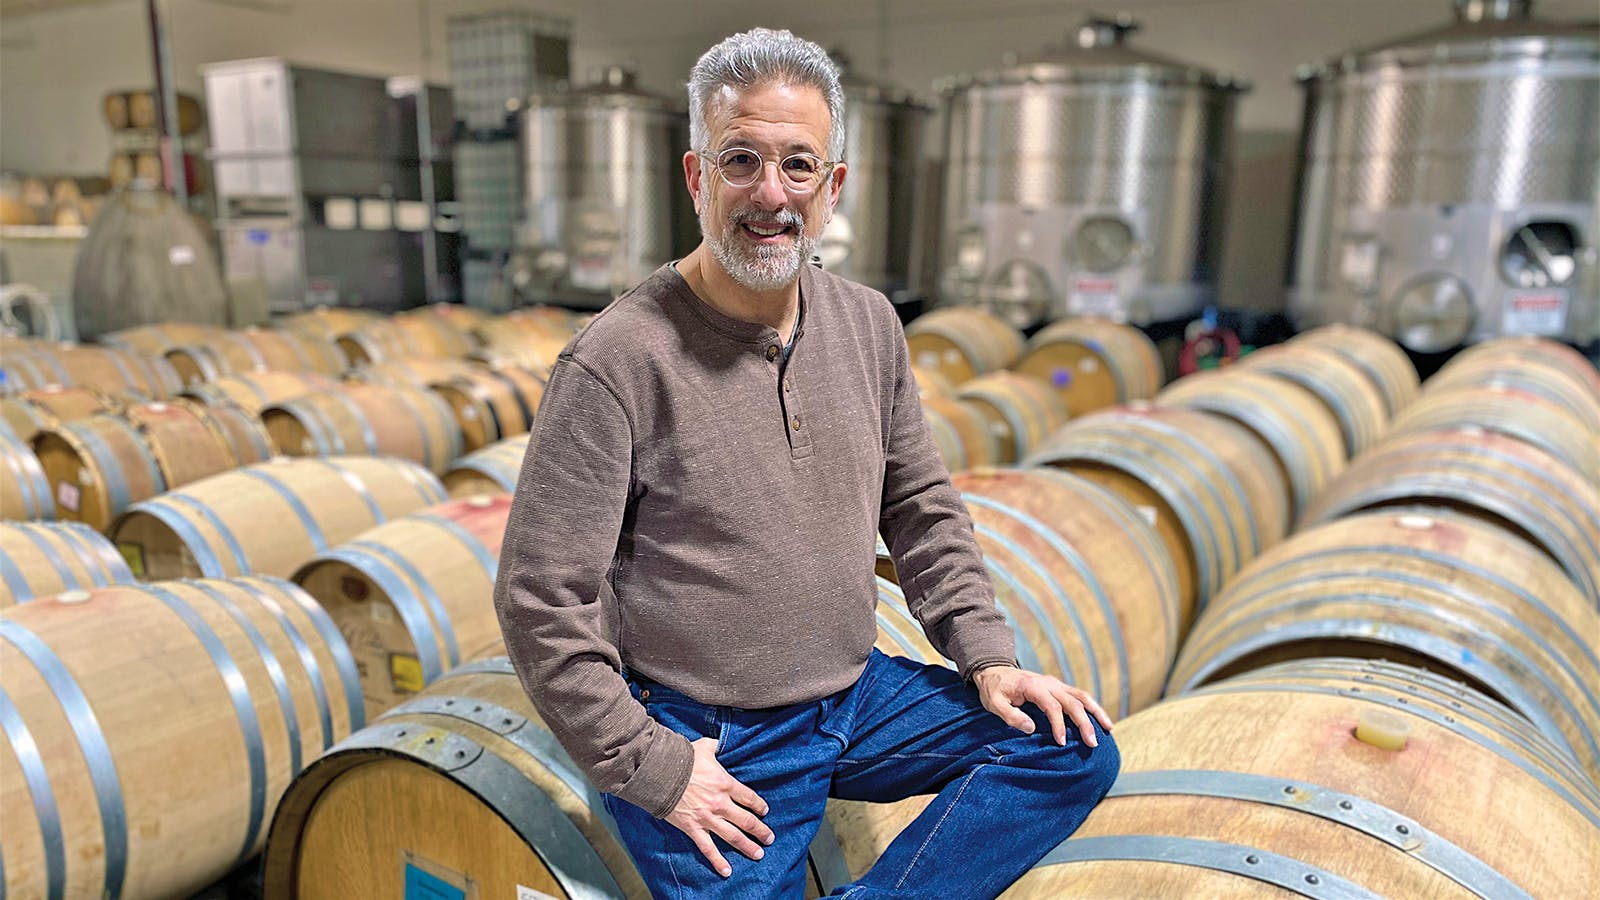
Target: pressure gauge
[[1103, 243], [1019, 292], [1540, 255], [1433, 313]]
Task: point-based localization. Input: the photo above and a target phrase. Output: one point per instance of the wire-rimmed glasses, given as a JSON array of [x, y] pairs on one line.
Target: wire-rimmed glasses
[[741, 167]]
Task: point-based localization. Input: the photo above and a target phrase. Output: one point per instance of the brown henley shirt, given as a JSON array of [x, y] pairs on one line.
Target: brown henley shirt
[[697, 511]]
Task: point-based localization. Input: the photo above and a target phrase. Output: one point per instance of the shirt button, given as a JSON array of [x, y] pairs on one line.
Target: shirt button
[[772, 352], [788, 385], [644, 694], [795, 423]]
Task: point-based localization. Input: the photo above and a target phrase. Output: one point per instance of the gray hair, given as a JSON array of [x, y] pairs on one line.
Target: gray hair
[[763, 56]]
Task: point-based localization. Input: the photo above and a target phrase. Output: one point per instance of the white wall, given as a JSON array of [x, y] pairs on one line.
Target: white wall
[[55, 66]]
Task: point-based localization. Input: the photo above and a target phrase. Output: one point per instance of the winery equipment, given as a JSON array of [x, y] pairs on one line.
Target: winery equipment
[[1085, 180], [1450, 183]]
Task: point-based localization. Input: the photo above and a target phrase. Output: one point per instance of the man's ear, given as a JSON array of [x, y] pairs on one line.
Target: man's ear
[[693, 176]]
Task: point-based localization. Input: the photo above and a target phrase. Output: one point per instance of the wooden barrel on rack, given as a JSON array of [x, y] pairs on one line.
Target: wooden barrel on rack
[[532, 337], [534, 821], [1021, 411], [1331, 777], [115, 107], [40, 559], [1498, 478], [947, 416], [33, 411], [100, 466], [1381, 359], [371, 419], [255, 350], [24, 490], [158, 339], [1442, 591], [1304, 436], [947, 438], [414, 595], [255, 391], [108, 789], [328, 322], [493, 404], [1507, 410], [492, 470], [1347, 390], [417, 373], [214, 527], [1094, 363], [1090, 589], [1553, 371], [404, 337], [1210, 487], [41, 364], [457, 318], [144, 112], [962, 342]]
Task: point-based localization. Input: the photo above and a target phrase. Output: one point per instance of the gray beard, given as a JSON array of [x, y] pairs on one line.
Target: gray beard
[[758, 268]]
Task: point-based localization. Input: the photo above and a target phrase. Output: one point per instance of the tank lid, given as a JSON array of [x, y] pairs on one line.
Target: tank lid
[[1482, 30], [1098, 50], [612, 84]]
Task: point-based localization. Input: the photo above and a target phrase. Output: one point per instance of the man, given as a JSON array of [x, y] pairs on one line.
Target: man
[[686, 586]]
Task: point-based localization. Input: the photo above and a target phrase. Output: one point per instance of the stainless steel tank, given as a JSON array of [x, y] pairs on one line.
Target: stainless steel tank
[[604, 203], [1088, 179], [870, 237], [1450, 183]]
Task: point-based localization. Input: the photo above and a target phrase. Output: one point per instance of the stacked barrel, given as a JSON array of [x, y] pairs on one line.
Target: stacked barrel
[[165, 680], [991, 397]]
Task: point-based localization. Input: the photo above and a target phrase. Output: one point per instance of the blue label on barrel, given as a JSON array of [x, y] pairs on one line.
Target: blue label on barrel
[[257, 236], [1061, 377], [422, 885]]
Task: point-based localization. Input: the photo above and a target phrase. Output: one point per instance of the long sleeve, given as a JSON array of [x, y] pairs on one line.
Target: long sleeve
[[930, 535], [560, 542]]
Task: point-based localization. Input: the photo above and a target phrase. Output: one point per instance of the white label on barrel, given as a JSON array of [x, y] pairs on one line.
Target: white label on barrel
[[181, 255], [69, 496], [528, 893], [928, 359], [1148, 513], [381, 613], [1088, 365], [469, 413], [85, 478], [307, 447], [951, 357]]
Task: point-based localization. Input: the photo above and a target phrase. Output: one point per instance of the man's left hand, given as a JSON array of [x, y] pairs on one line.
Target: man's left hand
[[1004, 690]]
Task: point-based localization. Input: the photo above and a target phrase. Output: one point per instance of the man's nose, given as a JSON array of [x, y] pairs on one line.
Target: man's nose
[[769, 192]]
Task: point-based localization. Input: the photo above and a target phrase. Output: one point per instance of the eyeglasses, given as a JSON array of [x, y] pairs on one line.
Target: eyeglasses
[[741, 167]]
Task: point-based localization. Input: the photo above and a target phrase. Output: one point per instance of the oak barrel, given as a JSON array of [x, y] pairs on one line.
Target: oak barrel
[[255, 391], [952, 417], [328, 322], [1325, 778], [1022, 411], [414, 595], [215, 526], [371, 419], [492, 470], [255, 350], [1384, 363], [33, 411], [493, 404], [962, 342], [157, 339], [1304, 436], [1341, 384], [1210, 487], [24, 490], [39, 559], [1441, 591], [151, 729], [1501, 408], [1499, 478], [1094, 363]]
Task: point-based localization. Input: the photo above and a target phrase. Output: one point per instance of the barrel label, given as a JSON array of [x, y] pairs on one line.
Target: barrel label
[[423, 884], [528, 893], [134, 555], [69, 495], [405, 673]]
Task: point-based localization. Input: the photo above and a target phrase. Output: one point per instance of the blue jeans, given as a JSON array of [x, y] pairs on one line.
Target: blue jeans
[[1004, 799]]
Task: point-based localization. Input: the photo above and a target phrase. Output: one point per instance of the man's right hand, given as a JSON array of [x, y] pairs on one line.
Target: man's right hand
[[716, 803]]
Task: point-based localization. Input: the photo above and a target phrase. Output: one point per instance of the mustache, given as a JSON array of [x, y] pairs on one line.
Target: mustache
[[787, 217]]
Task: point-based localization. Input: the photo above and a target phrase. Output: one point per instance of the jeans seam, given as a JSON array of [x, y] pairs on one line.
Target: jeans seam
[[877, 759], [937, 825]]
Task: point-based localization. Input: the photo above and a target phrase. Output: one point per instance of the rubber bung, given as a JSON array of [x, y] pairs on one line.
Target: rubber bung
[[1383, 729]]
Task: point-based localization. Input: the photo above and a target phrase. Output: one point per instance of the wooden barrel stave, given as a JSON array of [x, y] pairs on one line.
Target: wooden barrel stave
[[1520, 414], [209, 528], [97, 468], [493, 404], [962, 343], [1094, 363], [372, 419], [24, 488], [1381, 359], [107, 795], [980, 446], [1339, 383], [255, 391], [1022, 411], [33, 411]]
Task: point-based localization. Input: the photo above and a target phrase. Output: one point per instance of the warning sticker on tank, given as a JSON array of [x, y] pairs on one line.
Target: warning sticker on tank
[[1535, 312], [1094, 297]]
